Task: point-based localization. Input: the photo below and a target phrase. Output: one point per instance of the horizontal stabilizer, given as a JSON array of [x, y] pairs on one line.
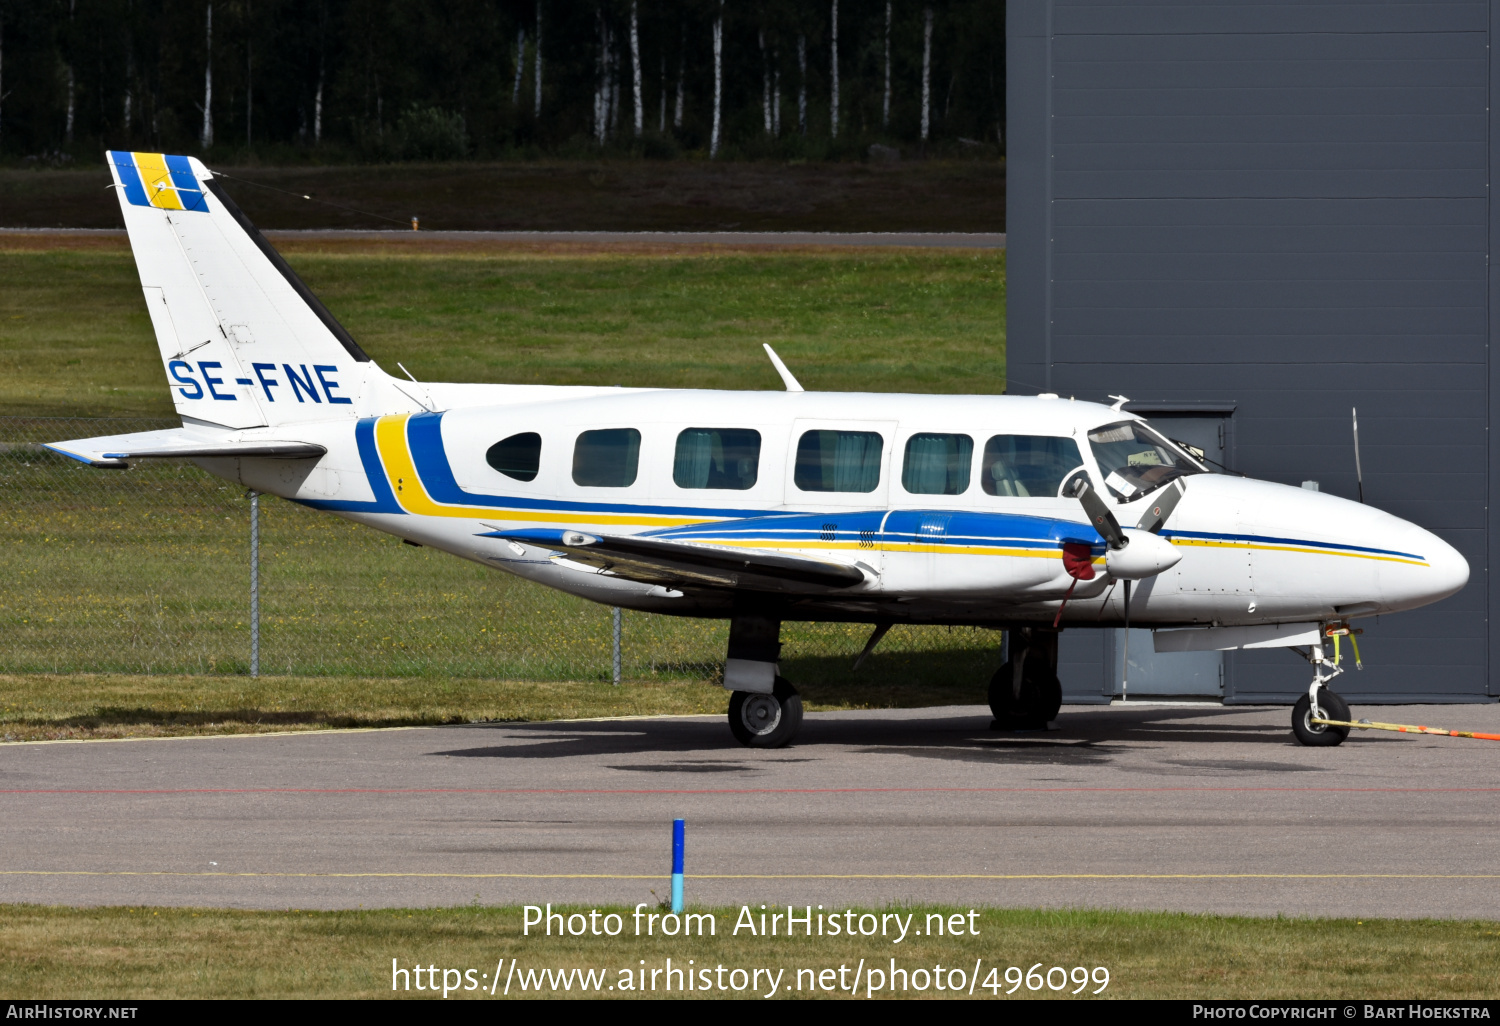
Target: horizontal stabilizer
[[177, 443], [658, 561]]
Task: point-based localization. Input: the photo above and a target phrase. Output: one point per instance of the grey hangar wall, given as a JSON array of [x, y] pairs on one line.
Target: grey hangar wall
[[1271, 214]]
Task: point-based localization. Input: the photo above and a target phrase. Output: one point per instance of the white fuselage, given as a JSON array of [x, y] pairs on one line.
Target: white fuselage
[[1252, 552]]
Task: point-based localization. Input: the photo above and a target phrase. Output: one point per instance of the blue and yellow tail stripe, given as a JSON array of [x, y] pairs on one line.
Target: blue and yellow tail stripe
[[409, 473], [158, 180]]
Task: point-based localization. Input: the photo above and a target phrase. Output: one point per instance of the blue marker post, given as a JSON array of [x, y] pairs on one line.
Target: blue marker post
[[677, 843]]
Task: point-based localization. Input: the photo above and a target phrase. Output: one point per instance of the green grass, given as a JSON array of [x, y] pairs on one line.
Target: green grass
[[75, 339], [127, 953], [78, 706]]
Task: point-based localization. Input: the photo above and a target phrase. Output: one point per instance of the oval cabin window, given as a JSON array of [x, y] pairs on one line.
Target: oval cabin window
[[518, 456]]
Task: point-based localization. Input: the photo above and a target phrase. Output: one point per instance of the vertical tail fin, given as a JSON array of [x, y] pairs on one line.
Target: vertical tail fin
[[244, 341]]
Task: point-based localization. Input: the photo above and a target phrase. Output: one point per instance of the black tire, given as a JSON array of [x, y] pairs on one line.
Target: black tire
[[766, 721], [1041, 696], [1317, 735]]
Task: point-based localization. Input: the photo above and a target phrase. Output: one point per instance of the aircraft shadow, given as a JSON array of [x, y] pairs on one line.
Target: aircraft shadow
[[1076, 738]]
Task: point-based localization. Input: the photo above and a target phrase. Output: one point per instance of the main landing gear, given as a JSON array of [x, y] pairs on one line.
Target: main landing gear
[[1320, 704], [1025, 693], [765, 711]]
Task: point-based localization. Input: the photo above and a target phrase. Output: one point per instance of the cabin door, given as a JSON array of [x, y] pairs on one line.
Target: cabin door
[[842, 468]]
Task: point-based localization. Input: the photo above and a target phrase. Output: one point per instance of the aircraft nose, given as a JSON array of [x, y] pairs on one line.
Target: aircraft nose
[[1445, 574]]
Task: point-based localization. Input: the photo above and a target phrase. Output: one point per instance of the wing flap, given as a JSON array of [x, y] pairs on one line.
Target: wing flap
[[659, 561], [178, 443]]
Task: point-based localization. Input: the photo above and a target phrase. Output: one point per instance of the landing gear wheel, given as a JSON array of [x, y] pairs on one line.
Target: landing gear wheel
[[766, 721], [1319, 735], [1041, 695]]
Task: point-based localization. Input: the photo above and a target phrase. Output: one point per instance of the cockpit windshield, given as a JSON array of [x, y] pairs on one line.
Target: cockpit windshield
[[1135, 459]]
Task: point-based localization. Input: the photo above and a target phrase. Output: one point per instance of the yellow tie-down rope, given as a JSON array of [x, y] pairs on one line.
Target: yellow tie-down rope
[[1405, 728], [1337, 631]]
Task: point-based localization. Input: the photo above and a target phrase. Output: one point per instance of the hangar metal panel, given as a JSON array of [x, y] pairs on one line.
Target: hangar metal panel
[[1283, 210]]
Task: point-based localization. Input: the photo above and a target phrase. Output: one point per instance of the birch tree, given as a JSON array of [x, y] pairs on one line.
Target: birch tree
[[515, 96], [206, 136], [3, 93], [765, 82], [833, 106], [681, 75], [635, 67], [661, 94], [775, 93], [885, 109], [601, 90], [802, 83], [538, 59], [249, 77], [126, 110], [926, 71], [72, 83], [713, 139]]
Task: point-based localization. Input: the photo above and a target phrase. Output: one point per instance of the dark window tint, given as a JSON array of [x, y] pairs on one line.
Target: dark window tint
[[717, 458], [518, 456], [838, 461], [937, 464], [1022, 465], [607, 459]]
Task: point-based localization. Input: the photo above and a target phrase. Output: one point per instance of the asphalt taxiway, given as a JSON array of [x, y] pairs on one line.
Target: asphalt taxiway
[[1187, 808]]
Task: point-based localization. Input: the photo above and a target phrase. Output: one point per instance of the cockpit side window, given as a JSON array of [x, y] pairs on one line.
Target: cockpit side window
[[1028, 465], [519, 456], [607, 458], [1135, 459], [717, 458]]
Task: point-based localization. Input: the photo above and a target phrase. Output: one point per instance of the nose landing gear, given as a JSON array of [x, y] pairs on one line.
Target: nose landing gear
[[1320, 704]]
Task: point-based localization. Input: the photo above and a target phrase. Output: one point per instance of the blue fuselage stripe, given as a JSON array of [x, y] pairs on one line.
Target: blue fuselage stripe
[[958, 528]]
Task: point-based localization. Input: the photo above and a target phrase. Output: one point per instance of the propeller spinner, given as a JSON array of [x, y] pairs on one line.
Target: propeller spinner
[[1142, 552]]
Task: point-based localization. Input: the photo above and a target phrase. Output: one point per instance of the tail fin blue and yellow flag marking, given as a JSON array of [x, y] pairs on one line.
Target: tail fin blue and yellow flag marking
[[158, 180]]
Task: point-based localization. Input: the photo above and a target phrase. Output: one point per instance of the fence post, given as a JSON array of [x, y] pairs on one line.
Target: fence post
[[254, 583], [615, 645]]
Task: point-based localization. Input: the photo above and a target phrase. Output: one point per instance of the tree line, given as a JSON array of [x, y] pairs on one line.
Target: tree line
[[406, 79]]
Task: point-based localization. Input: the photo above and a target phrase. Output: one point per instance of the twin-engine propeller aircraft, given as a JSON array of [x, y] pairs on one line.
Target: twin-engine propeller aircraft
[[1031, 515]]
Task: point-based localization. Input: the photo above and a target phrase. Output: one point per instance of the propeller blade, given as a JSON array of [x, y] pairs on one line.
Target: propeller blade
[[1099, 515], [1162, 506]]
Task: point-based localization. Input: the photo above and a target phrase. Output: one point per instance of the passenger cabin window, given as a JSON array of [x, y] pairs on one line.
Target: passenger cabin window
[[607, 459], [717, 458], [1028, 465], [518, 456], [937, 464], [838, 461]]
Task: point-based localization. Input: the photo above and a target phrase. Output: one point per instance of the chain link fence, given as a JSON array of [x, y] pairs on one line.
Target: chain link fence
[[147, 571]]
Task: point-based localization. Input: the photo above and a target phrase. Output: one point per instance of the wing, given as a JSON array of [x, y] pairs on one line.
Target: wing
[[660, 561]]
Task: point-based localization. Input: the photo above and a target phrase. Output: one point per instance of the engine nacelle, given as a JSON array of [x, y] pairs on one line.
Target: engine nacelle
[[1146, 555]]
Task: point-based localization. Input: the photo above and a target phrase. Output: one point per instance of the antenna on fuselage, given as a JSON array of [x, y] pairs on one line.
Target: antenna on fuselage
[[792, 384], [1359, 474]]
